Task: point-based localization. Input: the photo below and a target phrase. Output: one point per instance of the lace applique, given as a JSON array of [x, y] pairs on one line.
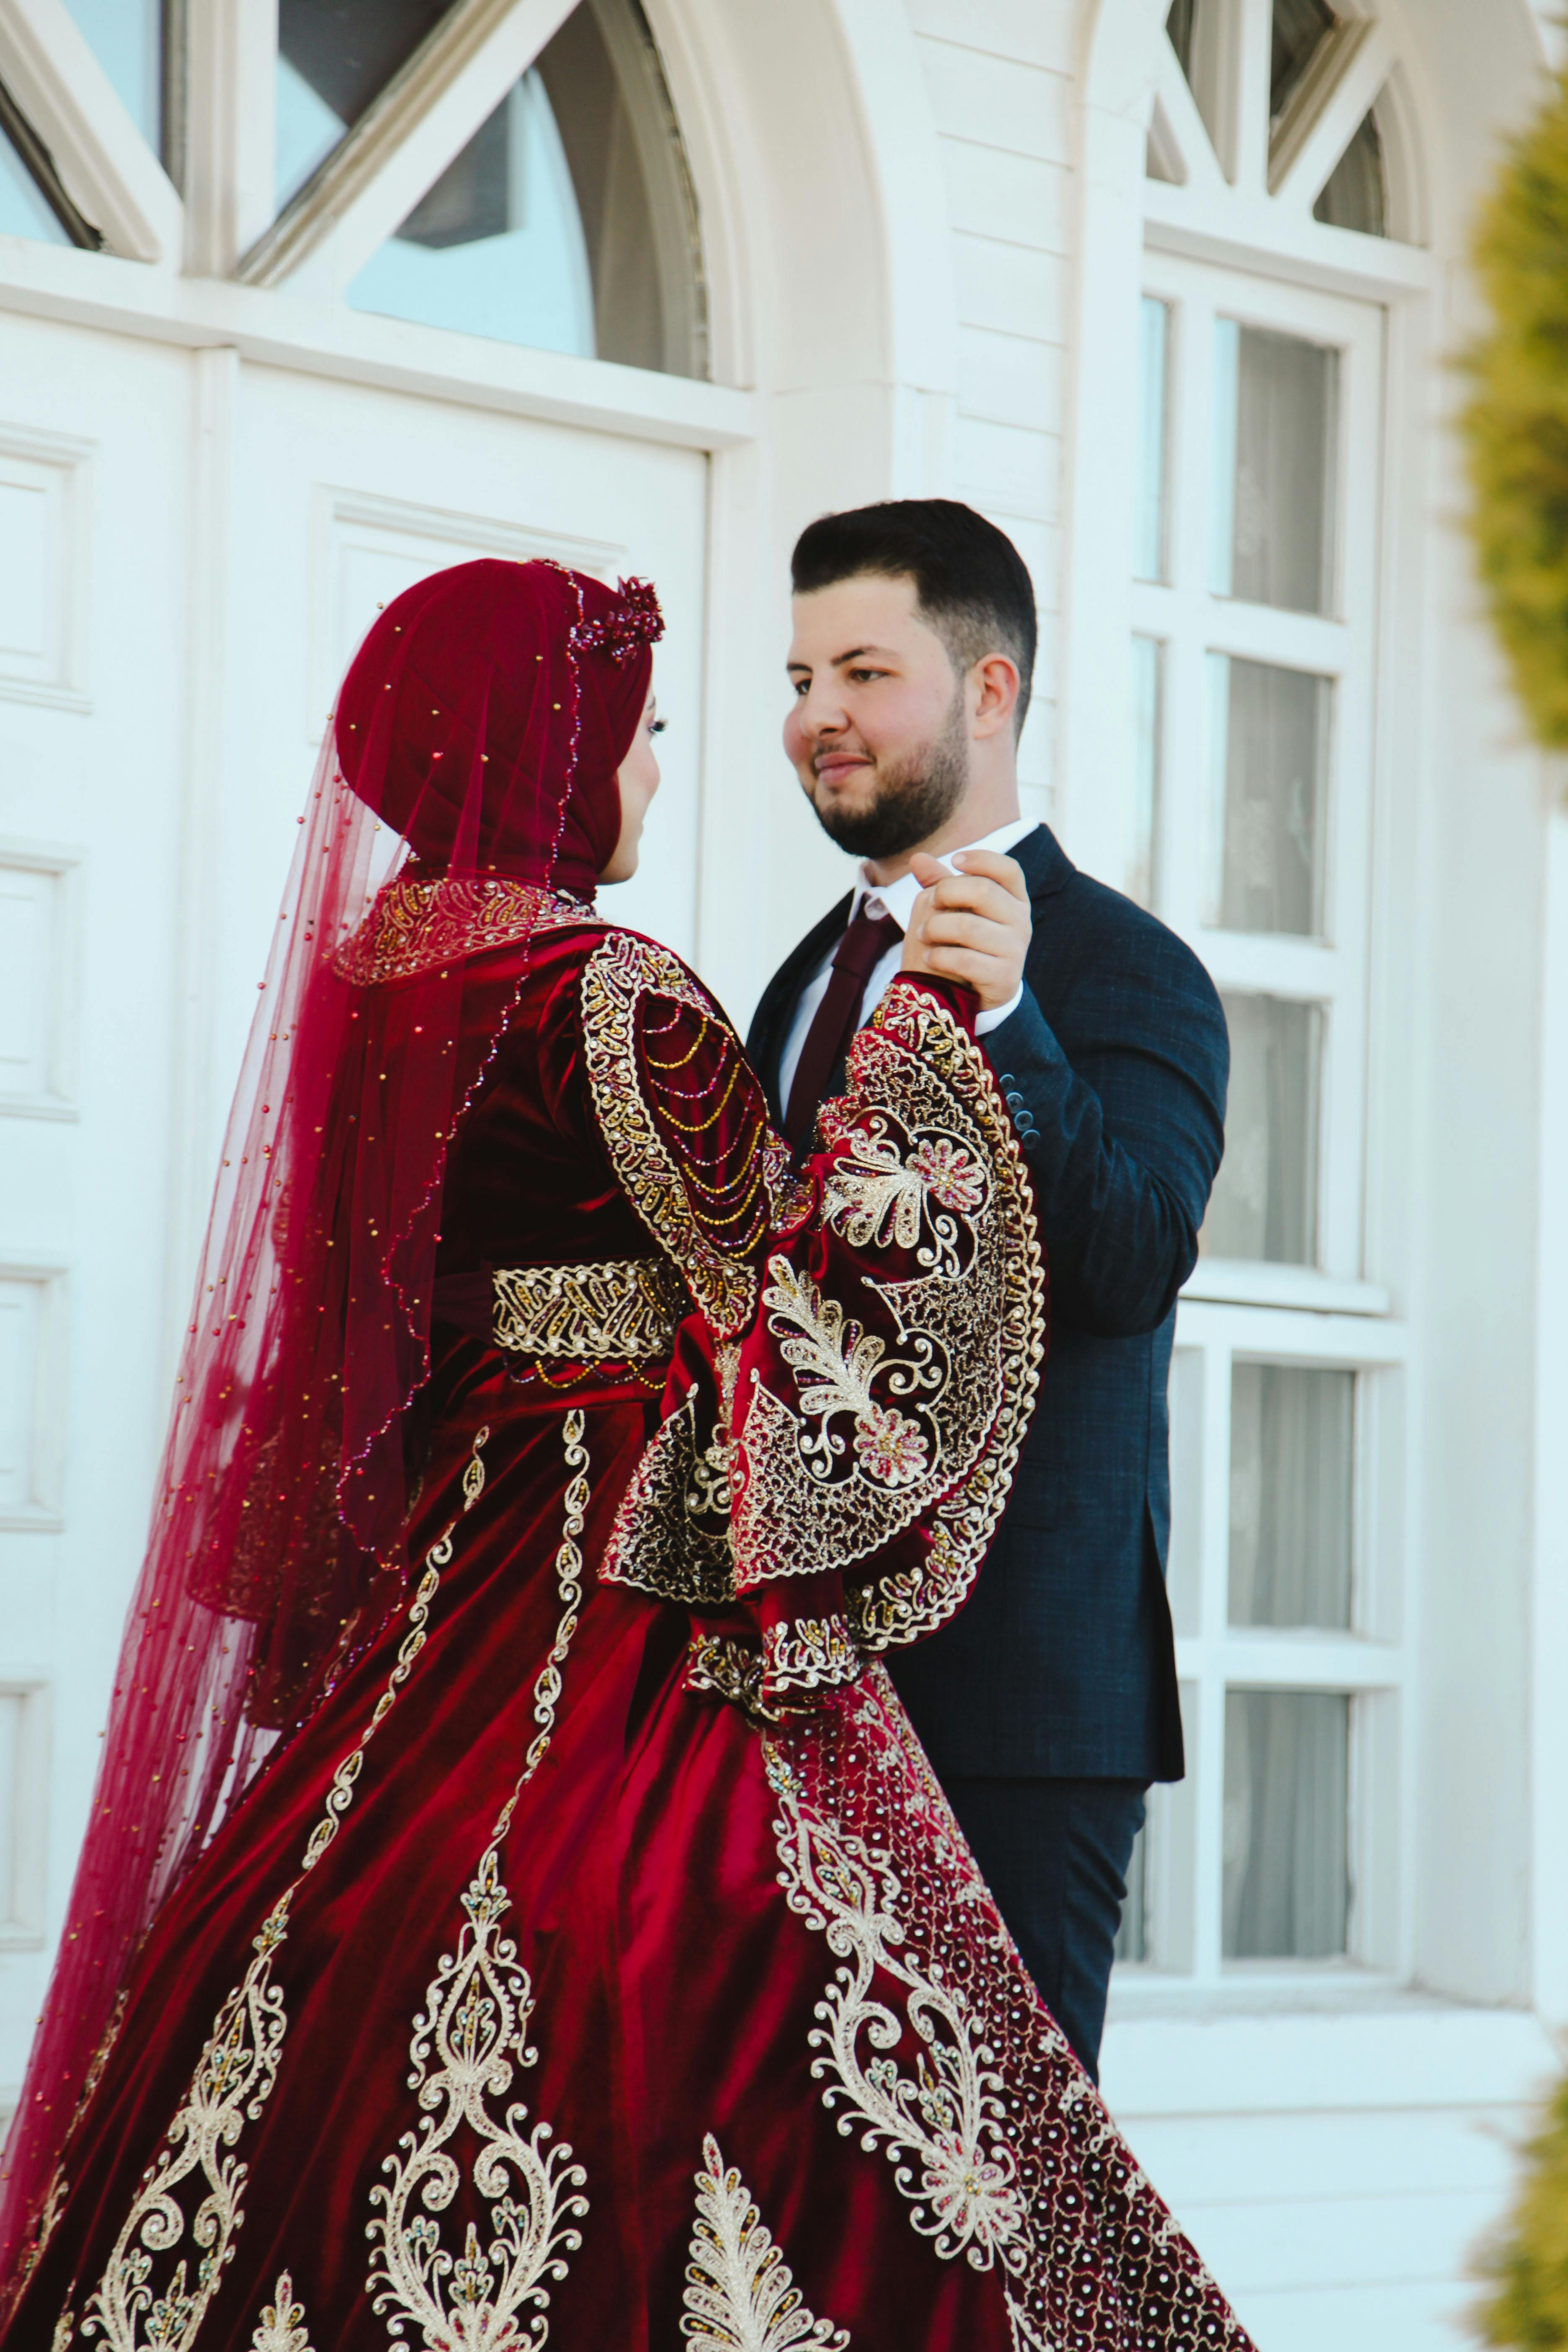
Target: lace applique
[[671, 1534], [867, 1436], [474, 2025], [741, 2294], [281, 2326], [413, 926], [878, 1434], [932, 2044], [234, 2075], [682, 1118]]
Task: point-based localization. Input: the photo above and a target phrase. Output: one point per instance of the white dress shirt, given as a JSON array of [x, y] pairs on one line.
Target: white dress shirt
[[897, 900]]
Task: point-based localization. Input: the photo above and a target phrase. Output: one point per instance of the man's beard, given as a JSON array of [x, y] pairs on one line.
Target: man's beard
[[911, 800]]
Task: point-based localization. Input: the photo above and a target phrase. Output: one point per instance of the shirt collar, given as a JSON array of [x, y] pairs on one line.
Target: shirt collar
[[898, 899]]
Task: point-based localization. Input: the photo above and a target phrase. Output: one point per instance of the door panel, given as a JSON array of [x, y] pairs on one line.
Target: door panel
[[192, 548]]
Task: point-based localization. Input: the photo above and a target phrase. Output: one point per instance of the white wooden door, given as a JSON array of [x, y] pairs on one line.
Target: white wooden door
[[190, 548]]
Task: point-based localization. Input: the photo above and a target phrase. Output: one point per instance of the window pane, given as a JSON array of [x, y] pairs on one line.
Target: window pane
[[1153, 346], [127, 38], [1290, 1468], [24, 210], [1299, 27], [1264, 1203], [1287, 1783], [1268, 744], [334, 58], [496, 247], [568, 221], [1353, 194], [1275, 410], [1142, 816], [1132, 1934]]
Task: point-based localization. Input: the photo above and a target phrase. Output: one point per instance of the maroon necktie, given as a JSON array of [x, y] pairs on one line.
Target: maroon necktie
[[838, 1017]]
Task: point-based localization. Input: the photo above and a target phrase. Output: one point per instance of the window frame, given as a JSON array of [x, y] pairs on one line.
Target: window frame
[[1202, 217]]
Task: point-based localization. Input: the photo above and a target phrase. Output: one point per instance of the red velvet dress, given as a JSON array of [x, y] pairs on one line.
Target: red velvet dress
[[601, 1965]]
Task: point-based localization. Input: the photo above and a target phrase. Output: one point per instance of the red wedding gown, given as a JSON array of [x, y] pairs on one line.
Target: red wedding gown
[[601, 1965]]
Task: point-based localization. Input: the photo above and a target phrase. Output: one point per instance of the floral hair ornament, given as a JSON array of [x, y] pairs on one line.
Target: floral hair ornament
[[635, 620]]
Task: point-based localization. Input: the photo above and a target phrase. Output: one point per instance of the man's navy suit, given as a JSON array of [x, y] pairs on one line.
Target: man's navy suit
[[1048, 1704]]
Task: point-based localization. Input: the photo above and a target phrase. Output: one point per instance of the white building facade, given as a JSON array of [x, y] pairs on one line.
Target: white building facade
[[298, 303]]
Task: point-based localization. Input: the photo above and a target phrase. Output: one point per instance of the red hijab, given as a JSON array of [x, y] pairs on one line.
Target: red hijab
[[483, 720]]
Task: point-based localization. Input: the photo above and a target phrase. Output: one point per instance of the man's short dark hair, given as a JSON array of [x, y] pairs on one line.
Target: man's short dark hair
[[971, 583]]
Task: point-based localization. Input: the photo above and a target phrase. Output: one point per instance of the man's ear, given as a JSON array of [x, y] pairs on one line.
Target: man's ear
[[996, 676]]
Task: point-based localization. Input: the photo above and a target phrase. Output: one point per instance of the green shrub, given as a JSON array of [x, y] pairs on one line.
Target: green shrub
[[1527, 2264], [1516, 424]]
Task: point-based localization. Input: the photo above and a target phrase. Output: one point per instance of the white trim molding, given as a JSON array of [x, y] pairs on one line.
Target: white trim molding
[[57, 1096], [40, 1508], [108, 170], [58, 469], [22, 1919]]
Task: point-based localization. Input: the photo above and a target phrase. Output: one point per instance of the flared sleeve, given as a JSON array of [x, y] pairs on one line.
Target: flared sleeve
[[845, 1409]]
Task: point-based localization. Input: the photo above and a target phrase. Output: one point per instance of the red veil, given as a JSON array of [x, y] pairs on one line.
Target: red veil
[[481, 725]]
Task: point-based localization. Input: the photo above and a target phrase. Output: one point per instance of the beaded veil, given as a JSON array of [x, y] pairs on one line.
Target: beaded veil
[[482, 721]]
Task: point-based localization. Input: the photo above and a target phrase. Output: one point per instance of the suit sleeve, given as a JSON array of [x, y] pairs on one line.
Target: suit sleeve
[[1120, 1111]]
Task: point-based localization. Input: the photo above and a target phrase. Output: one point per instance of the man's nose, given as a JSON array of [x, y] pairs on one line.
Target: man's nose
[[821, 712]]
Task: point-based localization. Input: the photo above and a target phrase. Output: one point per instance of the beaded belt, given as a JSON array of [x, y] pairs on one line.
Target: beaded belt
[[612, 1312]]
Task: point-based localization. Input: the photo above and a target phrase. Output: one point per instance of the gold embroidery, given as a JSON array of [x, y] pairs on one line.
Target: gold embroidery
[[65, 2328], [413, 926], [621, 974], [875, 1195], [671, 1535], [925, 1150], [948, 2117], [235, 2074], [614, 1312], [281, 2326], [569, 1582], [740, 2295], [475, 2023], [803, 1655], [843, 1361], [933, 2043], [925, 1157]]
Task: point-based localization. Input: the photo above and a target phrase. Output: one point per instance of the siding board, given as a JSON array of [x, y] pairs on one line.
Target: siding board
[[1013, 198], [1037, 32], [1010, 379], [999, 102], [1010, 288]]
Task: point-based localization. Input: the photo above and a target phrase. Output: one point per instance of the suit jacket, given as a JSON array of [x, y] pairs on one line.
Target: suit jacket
[[1115, 1067]]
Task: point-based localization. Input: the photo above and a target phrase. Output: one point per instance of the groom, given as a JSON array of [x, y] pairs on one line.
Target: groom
[[1049, 1704]]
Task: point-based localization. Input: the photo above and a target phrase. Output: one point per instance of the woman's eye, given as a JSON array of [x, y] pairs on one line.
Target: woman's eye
[[656, 726]]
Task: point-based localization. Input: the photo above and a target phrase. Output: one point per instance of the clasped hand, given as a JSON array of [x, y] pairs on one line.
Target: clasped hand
[[973, 924]]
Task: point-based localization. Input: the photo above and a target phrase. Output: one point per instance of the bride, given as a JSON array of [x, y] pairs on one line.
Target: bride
[[516, 1909]]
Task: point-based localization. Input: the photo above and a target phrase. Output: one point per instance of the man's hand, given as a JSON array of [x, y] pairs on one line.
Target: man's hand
[[972, 926]]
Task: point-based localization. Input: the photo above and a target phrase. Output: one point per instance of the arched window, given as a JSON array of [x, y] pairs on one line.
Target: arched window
[[1276, 195], [567, 221]]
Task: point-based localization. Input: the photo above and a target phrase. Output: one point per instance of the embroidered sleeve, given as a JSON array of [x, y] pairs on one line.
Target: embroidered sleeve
[[835, 1469], [685, 1123]]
